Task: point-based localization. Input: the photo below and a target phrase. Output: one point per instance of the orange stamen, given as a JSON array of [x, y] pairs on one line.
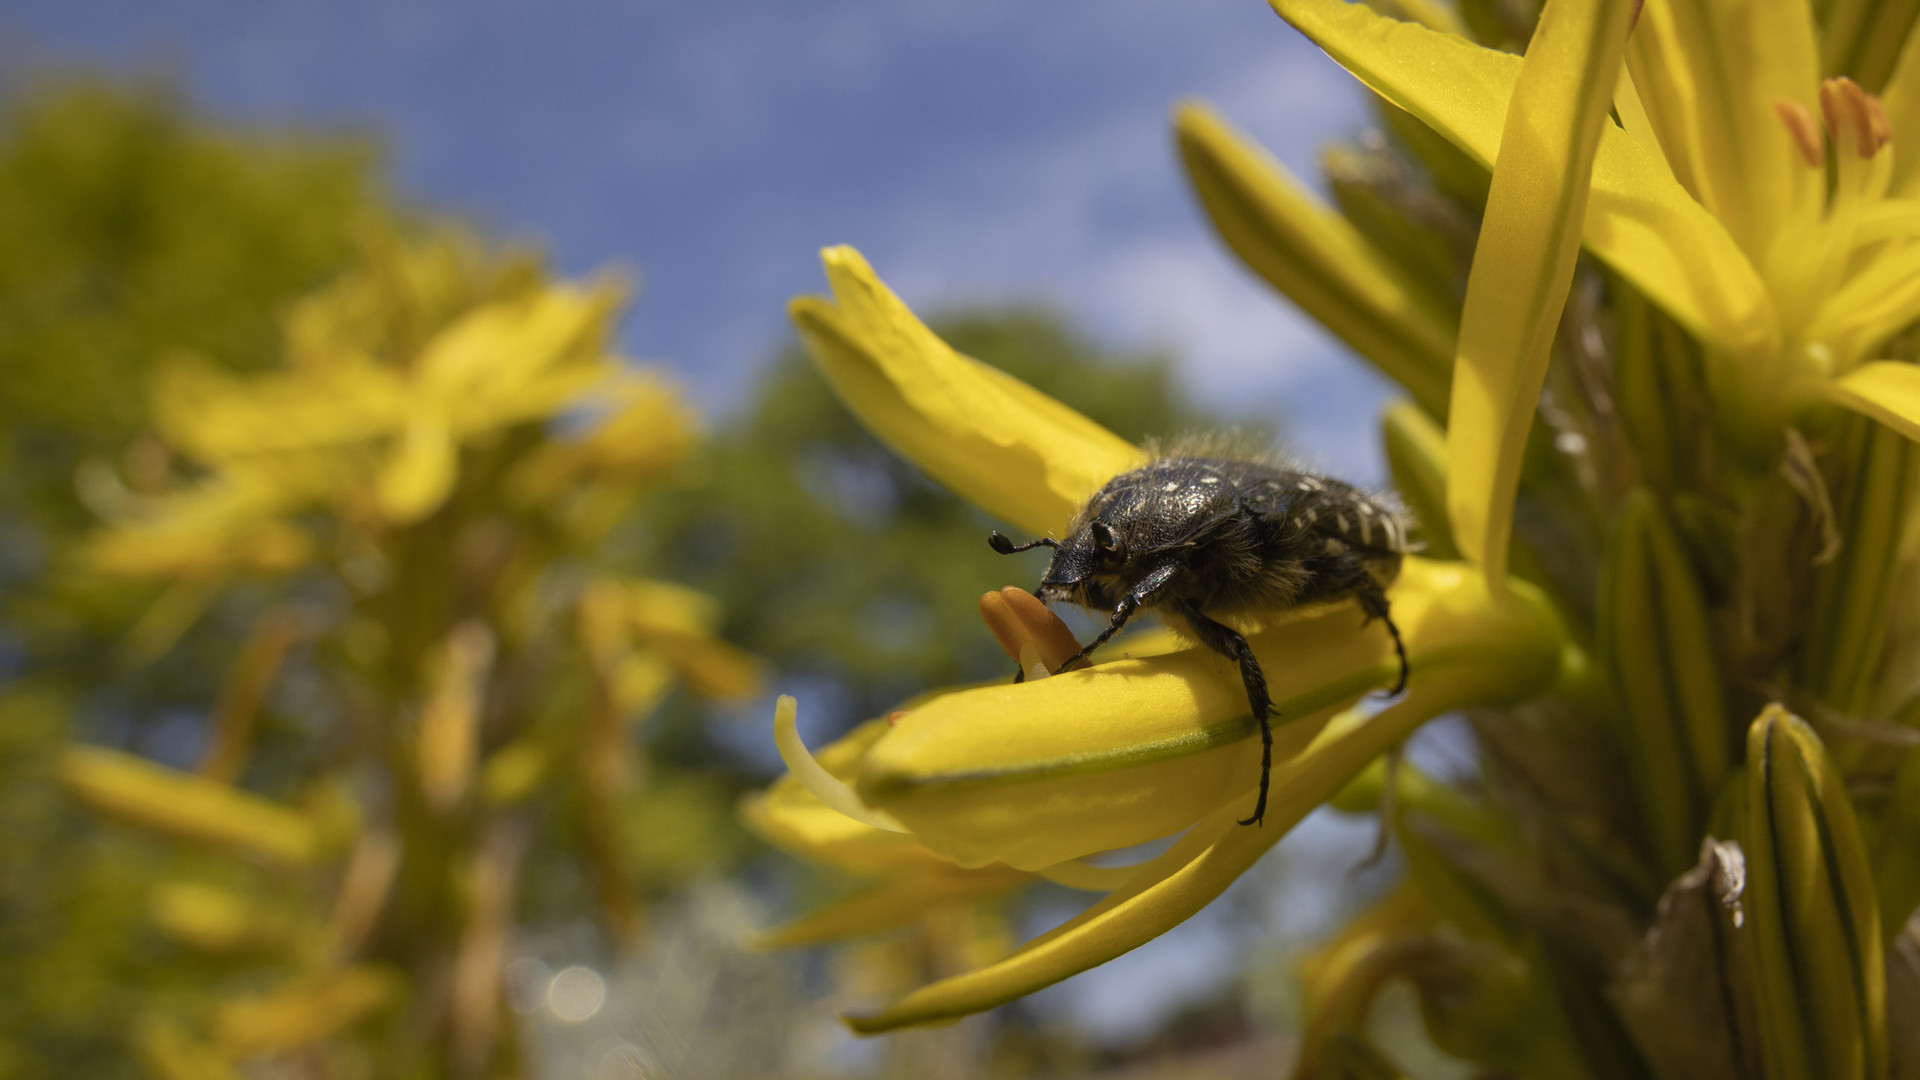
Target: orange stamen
[[1800, 127], [1018, 618], [1851, 111]]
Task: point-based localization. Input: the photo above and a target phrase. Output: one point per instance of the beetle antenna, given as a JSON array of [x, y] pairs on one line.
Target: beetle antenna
[[1005, 546]]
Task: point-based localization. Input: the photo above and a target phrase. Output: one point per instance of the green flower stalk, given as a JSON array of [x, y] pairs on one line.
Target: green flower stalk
[[1649, 287]]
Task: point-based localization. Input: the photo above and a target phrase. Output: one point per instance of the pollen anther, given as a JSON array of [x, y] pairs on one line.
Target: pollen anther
[[1805, 134], [1851, 111]]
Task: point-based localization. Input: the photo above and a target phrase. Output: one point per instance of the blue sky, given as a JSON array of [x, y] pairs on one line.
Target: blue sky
[[977, 151]]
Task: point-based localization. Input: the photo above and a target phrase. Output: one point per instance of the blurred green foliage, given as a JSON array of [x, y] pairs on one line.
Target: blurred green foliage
[[126, 227]]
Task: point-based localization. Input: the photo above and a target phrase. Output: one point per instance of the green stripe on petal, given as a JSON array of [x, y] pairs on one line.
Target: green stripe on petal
[[1887, 390], [1523, 264], [1814, 918], [1639, 218], [987, 436], [1310, 253], [1041, 772], [1200, 866]]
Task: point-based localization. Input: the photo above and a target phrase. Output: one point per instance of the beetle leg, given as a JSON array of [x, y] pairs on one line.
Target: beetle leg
[[1373, 601], [1228, 642], [1141, 595]]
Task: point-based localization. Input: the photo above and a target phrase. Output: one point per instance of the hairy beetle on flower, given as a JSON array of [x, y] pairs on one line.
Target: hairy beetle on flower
[[1201, 531]]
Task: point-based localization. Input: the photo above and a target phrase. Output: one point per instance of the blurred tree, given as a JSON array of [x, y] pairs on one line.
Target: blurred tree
[[841, 563], [126, 228]]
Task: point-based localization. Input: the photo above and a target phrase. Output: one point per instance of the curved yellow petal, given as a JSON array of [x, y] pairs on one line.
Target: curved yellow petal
[[893, 903], [1309, 252], [1523, 264], [1201, 864], [213, 416], [1036, 773], [422, 471], [1886, 390], [987, 436], [186, 806], [1710, 73], [304, 1012], [517, 360], [1639, 219], [821, 784]]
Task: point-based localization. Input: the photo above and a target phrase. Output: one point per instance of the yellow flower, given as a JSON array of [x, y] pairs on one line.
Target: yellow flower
[[1710, 194], [390, 375], [1040, 774]]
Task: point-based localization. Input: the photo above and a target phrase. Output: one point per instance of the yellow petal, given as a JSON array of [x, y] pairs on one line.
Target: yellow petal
[[1845, 629], [793, 819], [421, 473], [1639, 220], [186, 806], [1110, 756], [679, 623], [1199, 866], [892, 904], [1523, 264], [448, 740], [1864, 39], [666, 608], [1886, 390], [646, 430], [1417, 459], [304, 1013], [1710, 73], [1901, 97], [215, 920], [1655, 642], [213, 416], [790, 816], [821, 784], [1309, 252], [1342, 976], [518, 360], [990, 438]]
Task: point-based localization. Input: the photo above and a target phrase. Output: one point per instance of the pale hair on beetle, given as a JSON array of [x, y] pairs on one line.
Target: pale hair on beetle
[[1219, 525]]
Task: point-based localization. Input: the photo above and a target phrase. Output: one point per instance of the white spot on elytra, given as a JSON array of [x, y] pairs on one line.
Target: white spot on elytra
[[1341, 520], [1209, 479], [1172, 485]]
